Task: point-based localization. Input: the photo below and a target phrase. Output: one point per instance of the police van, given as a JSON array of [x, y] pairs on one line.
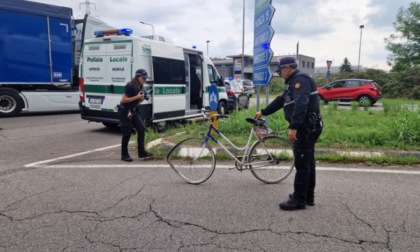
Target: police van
[[180, 78]]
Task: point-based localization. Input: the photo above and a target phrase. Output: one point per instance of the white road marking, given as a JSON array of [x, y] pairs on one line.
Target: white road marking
[[42, 163], [145, 164], [159, 166]]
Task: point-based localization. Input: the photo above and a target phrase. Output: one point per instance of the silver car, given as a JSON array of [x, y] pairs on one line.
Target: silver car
[[248, 86]]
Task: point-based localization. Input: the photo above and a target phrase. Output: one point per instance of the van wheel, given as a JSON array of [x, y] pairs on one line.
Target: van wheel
[[222, 108], [112, 126], [159, 126], [11, 104]]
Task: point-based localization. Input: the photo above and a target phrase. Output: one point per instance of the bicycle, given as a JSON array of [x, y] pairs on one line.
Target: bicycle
[[270, 158]]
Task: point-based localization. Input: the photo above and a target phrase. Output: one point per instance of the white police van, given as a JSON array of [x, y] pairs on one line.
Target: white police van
[[179, 83]]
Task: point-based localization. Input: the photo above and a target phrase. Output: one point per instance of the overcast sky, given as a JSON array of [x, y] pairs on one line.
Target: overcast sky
[[325, 29]]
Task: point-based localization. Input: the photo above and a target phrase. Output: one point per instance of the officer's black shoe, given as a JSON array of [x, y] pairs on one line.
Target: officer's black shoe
[[126, 158], [145, 154], [292, 204], [309, 202]]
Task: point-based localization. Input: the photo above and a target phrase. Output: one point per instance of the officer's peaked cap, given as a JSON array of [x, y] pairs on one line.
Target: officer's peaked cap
[[141, 72], [287, 61]]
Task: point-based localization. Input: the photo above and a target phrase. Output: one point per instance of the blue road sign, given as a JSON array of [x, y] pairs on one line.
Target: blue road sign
[[263, 19], [262, 57], [260, 4], [263, 38], [213, 97], [262, 76], [328, 74]]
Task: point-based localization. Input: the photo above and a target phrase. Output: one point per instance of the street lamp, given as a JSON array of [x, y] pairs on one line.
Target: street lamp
[[360, 46], [153, 28], [243, 41], [208, 41]]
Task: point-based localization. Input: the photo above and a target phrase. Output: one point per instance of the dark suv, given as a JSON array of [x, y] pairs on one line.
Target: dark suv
[[351, 90]]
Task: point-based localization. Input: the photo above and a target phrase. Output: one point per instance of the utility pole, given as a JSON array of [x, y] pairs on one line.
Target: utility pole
[[87, 3], [208, 41], [360, 46], [243, 42]]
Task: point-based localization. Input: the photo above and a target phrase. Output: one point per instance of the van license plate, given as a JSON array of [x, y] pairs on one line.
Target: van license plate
[[95, 101]]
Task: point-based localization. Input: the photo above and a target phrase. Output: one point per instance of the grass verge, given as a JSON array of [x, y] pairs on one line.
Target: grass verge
[[394, 130]]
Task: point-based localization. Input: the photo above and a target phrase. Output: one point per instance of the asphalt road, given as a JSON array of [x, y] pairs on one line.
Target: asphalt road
[[63, 188]]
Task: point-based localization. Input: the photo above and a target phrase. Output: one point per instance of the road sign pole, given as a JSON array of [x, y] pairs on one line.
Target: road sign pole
[[328, 74]]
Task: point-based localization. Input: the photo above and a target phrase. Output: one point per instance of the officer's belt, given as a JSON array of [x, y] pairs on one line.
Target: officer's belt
[[289, 103]]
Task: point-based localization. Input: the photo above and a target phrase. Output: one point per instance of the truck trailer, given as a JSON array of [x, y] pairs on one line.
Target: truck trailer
[[39, 56]]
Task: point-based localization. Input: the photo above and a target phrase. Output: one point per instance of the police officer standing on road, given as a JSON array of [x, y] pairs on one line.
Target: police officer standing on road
[[301, 108], [133, 95]]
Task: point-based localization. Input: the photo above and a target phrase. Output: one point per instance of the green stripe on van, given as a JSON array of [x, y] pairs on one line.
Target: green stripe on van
[[169, 90], [104, 89], [159, 90], [219, 89]]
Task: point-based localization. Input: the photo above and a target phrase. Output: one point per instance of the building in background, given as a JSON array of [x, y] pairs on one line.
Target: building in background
[[231, 65]]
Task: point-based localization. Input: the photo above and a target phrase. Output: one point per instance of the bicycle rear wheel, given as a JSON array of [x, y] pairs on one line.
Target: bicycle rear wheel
[[193, 160], [271, 159]]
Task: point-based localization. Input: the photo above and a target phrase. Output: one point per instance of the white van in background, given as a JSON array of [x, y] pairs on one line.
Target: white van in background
[[179, 85]]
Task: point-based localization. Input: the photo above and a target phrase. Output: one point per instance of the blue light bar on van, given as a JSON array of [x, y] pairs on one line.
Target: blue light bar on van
[[124, 31]]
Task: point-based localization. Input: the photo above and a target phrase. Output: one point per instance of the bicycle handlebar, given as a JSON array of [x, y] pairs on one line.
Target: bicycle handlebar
[[217, 116]]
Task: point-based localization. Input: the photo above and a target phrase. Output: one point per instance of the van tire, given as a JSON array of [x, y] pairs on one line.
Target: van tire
[[159, 127], [11, 104], [112, 126], [222, 108]]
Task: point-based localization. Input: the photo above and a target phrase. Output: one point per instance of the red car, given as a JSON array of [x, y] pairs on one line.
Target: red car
[[351, 90]]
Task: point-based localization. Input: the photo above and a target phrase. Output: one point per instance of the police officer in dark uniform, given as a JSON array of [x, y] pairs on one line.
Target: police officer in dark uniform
[[129, 107], [301, 108]]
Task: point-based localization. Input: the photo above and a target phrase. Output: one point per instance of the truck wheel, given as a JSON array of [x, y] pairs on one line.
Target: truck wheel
[[10, 103], [159, 126], [222, 108]]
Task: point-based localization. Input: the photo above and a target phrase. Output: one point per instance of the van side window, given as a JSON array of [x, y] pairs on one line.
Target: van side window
[[168, 71], [212, 75]]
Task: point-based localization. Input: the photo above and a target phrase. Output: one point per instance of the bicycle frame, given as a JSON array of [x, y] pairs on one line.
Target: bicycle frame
[[245, 149]]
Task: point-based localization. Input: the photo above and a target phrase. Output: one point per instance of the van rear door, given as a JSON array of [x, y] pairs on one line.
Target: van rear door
[[106, 69], [119, 71]]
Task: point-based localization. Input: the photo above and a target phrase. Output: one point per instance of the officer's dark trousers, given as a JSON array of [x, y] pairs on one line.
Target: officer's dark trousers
[[126, 128], [304, 152]]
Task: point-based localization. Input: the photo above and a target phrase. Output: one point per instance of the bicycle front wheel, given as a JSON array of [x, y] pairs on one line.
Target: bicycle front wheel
[[271, 159], [193, 160]]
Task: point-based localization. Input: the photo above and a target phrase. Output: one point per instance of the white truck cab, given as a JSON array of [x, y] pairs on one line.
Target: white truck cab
[[178, 87]]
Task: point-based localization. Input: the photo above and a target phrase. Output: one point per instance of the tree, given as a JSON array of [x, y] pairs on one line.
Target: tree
[[404, 45], [346, 66]]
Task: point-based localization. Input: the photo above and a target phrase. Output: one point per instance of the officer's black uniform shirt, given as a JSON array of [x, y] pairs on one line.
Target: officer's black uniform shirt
[[298, 99], [131, 90]]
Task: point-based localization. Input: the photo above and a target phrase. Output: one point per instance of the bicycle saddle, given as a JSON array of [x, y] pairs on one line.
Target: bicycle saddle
[[256, 122]]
